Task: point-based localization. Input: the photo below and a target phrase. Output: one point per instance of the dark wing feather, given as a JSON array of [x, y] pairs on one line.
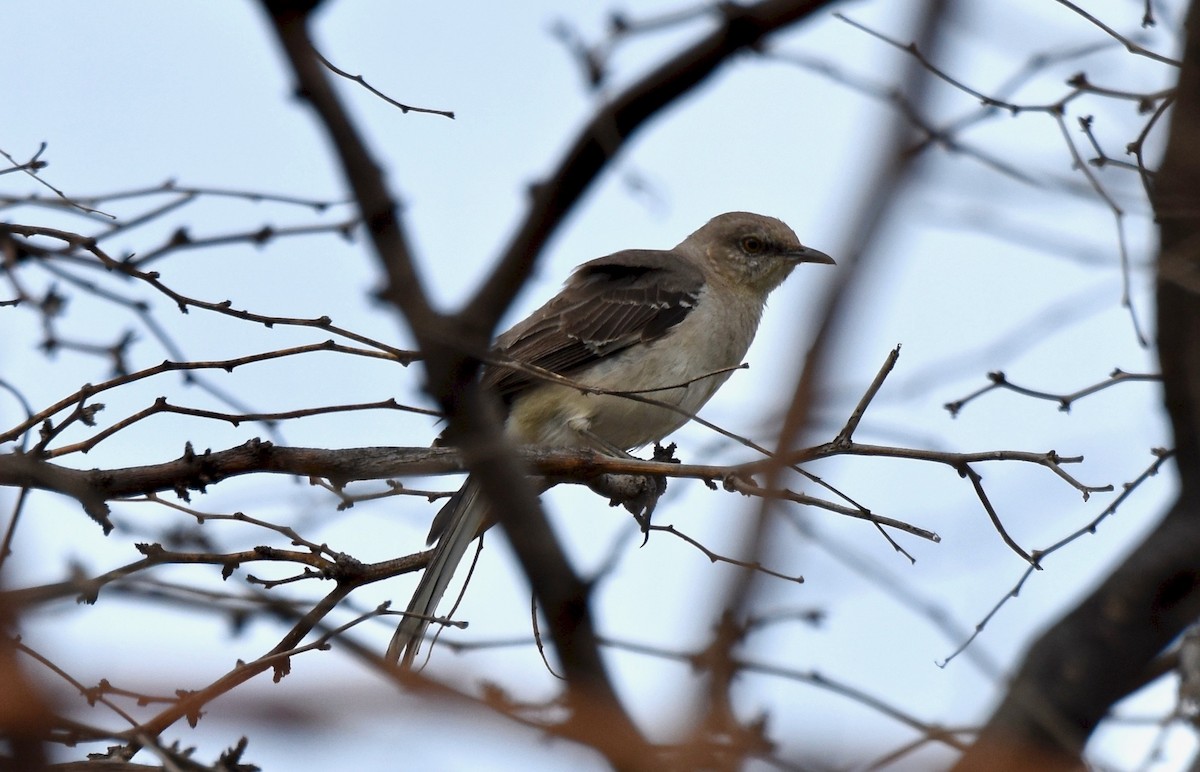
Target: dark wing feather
[[607, 305]]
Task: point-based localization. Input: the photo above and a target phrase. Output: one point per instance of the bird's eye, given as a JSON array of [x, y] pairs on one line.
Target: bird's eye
[[752, 245]]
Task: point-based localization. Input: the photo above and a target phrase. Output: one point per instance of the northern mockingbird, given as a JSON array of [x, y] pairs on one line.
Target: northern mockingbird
[[634, 321]]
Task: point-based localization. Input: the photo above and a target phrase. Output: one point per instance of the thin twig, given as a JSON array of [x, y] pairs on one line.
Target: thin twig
[[360, 80]]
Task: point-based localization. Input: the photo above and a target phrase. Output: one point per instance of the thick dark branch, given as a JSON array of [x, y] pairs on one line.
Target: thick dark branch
[[196, 471]]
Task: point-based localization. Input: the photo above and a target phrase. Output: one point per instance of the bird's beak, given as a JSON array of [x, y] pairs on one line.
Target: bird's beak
[[810, 255]]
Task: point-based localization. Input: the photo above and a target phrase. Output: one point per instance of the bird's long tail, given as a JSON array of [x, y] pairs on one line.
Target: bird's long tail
[[454, 527]]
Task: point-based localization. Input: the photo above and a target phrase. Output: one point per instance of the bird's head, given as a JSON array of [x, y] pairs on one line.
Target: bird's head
[[750, 250]]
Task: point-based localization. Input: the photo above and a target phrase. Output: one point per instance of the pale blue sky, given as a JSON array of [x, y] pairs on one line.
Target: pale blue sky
[[130, 94]]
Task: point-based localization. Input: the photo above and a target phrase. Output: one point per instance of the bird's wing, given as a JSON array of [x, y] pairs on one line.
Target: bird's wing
[[607, 305]]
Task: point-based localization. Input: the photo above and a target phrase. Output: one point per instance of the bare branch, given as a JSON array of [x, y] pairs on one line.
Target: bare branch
[[1130, 46], [360, 80], [1000, 381], [34, 165]]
